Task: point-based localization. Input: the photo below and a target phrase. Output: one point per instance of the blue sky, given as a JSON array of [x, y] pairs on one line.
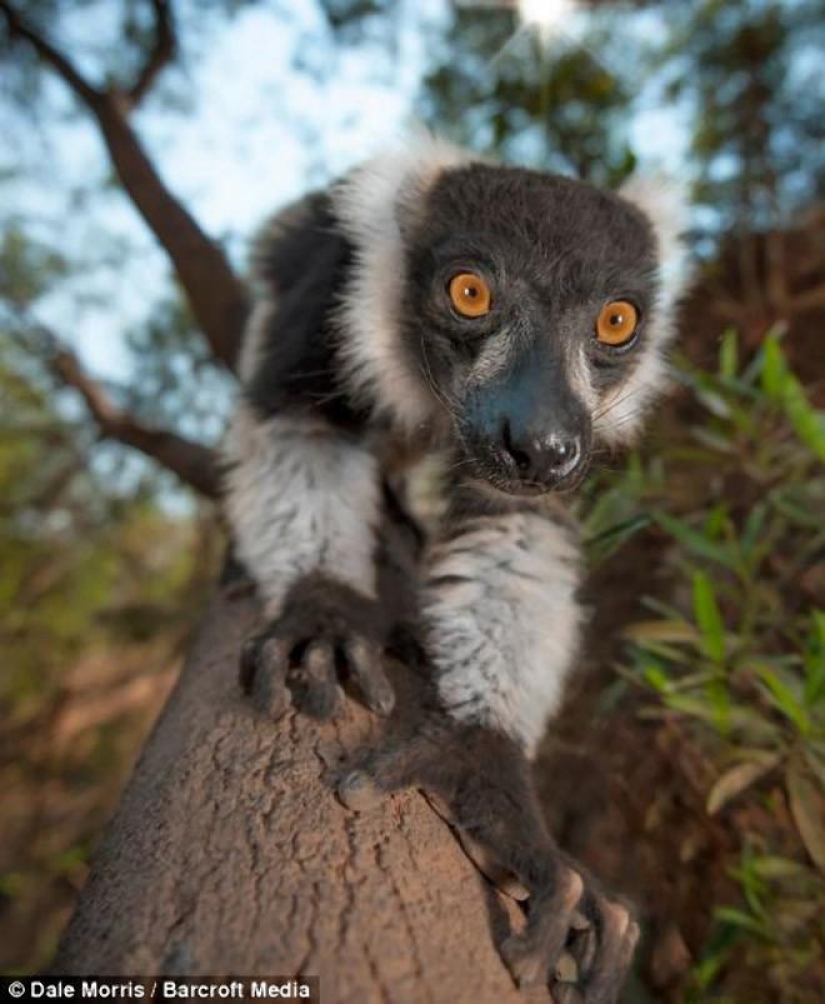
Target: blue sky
[[261, 131]]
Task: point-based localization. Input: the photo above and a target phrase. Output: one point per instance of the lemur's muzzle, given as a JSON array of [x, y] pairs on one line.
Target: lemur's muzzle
[[528, 432]]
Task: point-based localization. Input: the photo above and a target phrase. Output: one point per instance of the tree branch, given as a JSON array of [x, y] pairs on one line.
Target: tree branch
[[20, 29], [162, 53], [194, 464], [215, 294], [810, 299], [229, 853]]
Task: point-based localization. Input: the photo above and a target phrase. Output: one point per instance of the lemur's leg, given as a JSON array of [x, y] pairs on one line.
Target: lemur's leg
[[479, 780], [304, 503], [500, 634]]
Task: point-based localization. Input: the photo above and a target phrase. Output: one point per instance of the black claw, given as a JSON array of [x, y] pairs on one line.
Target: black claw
[[321, 618], [248, 663]]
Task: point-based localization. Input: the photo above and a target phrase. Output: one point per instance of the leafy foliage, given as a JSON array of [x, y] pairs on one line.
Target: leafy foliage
[[737, 657], [497, 88]]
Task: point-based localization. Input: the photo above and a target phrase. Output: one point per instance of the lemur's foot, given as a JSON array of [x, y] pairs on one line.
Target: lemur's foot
[[576, 940], [325, 632]]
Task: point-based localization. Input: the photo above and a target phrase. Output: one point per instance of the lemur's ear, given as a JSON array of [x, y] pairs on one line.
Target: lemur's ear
[[666, 203], [386, 194]]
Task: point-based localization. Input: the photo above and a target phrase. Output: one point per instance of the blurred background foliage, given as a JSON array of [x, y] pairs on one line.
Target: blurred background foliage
[[704, 710]]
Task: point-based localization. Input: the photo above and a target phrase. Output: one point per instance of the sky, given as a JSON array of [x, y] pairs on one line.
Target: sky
[[262, 130]]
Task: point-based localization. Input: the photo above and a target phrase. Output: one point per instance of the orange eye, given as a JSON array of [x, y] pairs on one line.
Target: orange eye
[[617, 323], [470, 295]]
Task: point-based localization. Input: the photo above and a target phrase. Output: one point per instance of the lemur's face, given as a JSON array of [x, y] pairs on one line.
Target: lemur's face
[[529, 308]]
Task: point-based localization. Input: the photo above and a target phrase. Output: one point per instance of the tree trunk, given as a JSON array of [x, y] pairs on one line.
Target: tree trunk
[[230, 854]]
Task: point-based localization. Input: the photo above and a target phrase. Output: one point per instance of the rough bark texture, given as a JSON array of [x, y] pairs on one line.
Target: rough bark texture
[[231, 855]]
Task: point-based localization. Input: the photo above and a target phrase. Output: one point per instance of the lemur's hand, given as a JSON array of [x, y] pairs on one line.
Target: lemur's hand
[[325, 629], [576, 939]]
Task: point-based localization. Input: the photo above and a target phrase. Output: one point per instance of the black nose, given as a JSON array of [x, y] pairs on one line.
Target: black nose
[[541, 459]]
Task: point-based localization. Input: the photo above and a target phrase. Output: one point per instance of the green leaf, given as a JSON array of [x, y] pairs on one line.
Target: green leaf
[[815, 661], [807, 422], [738, 918], [808, 809], [602, 545], [729, 354], [784, 699], [774, 368], [694, 541], [657, 678], [708, 617], [772, 866]]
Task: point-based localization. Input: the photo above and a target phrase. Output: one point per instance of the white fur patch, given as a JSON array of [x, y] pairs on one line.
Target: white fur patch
[[300, 499], [255, 337], [370, 204], [581, 382], [503, 622], [496, 356], [621, 410]]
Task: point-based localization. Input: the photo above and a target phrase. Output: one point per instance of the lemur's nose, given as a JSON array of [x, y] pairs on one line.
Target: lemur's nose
[[541, 459]]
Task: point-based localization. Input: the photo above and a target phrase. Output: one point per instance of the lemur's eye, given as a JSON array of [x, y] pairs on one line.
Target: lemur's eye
[[470, 295], [616, 324]]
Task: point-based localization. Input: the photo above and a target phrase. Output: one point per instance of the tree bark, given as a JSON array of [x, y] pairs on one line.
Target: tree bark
[[230, 854]]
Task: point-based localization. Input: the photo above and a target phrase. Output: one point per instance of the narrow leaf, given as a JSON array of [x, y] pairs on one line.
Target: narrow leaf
[[708, 617], [784, 699], [808, 809], [729, 354], [694, 541], [736, 780], [664, 630]]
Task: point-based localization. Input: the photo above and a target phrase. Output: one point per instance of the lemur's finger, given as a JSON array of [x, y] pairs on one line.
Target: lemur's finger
[[583, 947], [617, 934], [502, 878], [366, 668], [262, 673], [533, 955], [319, 694], [567, 993]]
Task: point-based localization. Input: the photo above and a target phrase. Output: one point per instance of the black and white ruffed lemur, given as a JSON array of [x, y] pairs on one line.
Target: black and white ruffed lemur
[[512, 324]]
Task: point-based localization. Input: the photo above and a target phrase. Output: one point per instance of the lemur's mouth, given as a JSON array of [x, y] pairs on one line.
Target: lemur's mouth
[[559, 485], [498, 465], [500, 480]]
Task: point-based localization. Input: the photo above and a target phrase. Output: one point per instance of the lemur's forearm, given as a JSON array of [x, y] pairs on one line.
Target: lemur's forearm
[[301, 499], [502, 620]]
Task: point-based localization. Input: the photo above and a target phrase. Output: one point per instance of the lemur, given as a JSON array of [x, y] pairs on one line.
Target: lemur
[[514, 324]]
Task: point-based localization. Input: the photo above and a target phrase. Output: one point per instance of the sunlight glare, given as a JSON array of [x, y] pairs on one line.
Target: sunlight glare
[[550, 16]]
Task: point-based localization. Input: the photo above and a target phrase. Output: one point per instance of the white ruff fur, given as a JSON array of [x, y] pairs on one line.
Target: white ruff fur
[[503, 625], [622, 409], [300, 499], [255, 335], [371, 204]]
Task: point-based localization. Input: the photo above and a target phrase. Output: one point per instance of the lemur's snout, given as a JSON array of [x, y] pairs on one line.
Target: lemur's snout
[[541, 460]]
